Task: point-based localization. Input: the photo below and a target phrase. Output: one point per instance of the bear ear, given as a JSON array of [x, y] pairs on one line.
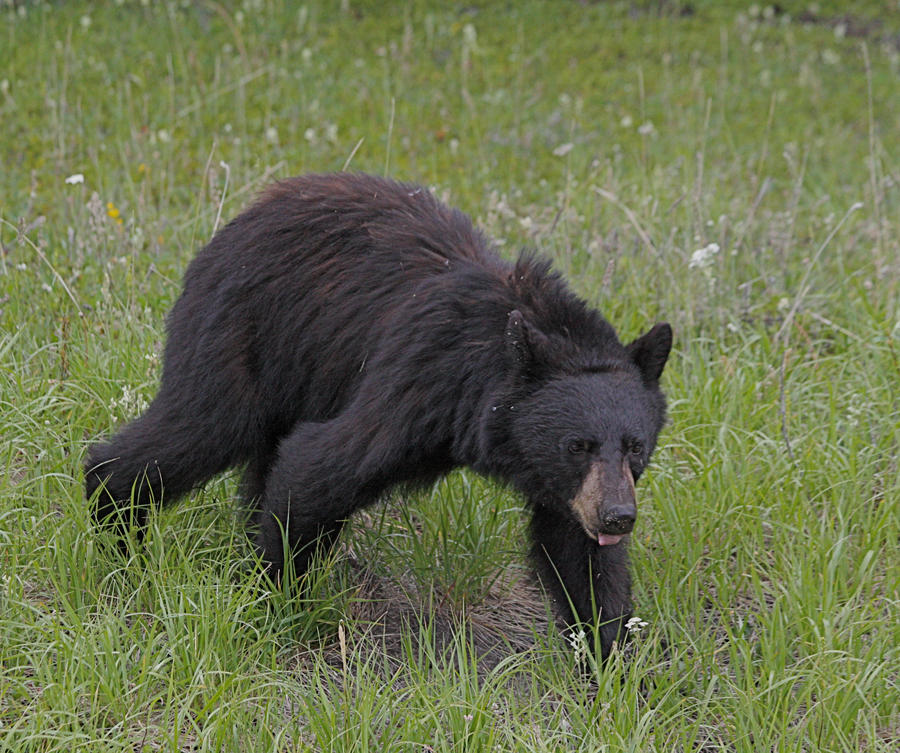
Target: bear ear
[[525, 344], [651, 351]]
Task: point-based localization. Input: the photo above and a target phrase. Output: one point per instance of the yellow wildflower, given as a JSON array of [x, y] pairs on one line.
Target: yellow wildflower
[[113, 212]]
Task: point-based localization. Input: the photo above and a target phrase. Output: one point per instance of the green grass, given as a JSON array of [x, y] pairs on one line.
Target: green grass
[[618, 138]]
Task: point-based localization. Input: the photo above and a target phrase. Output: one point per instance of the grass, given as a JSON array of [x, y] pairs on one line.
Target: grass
[[618, 138]]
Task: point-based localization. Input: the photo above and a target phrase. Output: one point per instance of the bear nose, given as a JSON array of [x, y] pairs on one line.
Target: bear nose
[[619, 519]]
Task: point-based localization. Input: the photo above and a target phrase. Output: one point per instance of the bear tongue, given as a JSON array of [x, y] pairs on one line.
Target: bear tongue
[[604, 539]]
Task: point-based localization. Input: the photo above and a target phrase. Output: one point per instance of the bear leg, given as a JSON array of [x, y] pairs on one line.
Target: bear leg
[[589, 583], [253, 480], [156, 458], [312, 488]]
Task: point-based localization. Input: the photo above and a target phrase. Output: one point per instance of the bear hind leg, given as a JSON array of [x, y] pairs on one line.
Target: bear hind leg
[[253, 479], [155, 459]]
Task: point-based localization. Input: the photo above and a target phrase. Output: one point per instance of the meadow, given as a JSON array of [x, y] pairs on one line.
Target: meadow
[[731, 169]]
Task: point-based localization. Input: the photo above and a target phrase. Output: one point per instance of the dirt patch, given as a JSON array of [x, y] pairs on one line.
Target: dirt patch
[[846, 24], [391, 615]]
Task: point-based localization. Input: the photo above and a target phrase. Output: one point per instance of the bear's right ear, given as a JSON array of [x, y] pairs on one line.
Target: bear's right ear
[[651, 351], [526, 345]]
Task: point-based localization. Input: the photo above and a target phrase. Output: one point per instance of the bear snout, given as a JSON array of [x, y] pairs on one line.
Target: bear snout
[[605, 504], [619, 519]]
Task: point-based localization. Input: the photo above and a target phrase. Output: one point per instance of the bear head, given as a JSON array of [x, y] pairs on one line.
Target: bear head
[[583, 436]]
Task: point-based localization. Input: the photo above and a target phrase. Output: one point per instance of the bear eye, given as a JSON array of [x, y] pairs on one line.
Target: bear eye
[[579, 446], [636, 449]]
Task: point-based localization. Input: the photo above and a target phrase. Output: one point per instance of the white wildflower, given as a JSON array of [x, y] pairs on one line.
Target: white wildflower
[[626, 121], [578, 642], [470, 36], [855, 410], [130, 402], [75, 178], [703, 257], [136, 236], [563, 149], [272, 135], [646, 129], [635, 625]]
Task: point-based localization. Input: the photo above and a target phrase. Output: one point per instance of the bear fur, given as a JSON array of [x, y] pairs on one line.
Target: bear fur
[[347, 333]]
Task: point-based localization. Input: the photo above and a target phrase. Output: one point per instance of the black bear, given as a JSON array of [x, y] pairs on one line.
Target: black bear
[[347, 333]]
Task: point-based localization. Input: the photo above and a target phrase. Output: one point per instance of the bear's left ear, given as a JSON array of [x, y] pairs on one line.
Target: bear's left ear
[[651, 351], [526, 344]]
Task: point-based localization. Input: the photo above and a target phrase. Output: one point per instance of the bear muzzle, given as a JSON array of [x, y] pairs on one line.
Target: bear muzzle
[[605, 505]]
